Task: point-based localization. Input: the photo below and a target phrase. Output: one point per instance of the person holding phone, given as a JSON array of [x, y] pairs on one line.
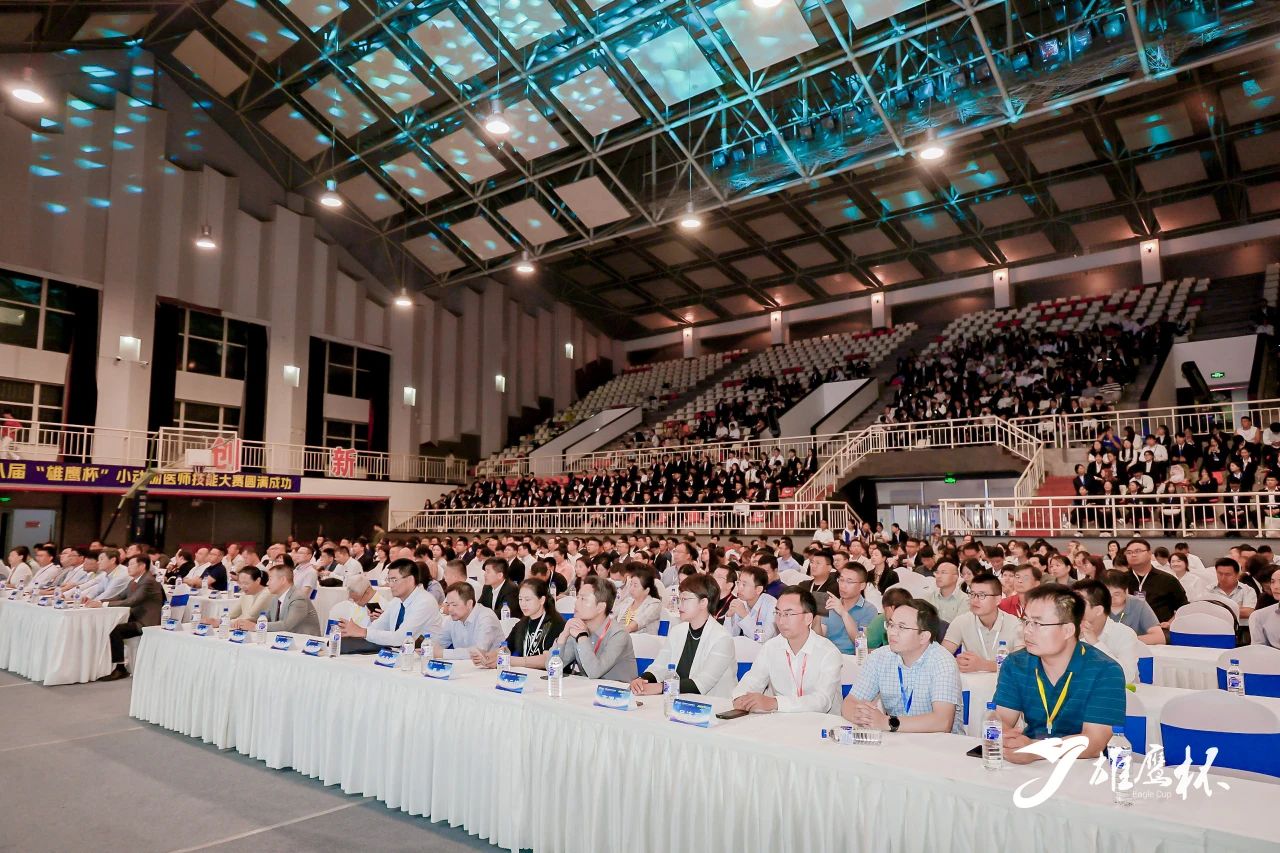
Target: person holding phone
[[799, 668]]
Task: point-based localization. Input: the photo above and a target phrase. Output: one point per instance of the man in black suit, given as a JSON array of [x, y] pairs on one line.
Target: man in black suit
[[144, 598], [497, 589]]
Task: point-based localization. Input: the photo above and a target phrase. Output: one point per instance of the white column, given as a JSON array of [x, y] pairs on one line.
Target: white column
[[779, 329], [400, 323], [689, 341], [1149, 254], [880, 316], [1001, 289], [294, 273]]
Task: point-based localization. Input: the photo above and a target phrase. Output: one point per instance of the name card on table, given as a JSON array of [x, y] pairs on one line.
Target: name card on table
[[43, 601], [442, 669], [201, 629], [387, 658], [59, 604], [282, 642], [13, 594], [691, 713], [238, 635], [313, 647], [511, 681], [611, 696]]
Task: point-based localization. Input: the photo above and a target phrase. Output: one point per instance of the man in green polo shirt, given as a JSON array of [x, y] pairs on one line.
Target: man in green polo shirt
[[1058, 684]]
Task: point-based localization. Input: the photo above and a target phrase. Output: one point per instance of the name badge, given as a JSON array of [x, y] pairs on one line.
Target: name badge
[[691, 713], [43, 601], [202, 630], [613, 697], [510, 681], [387, 658], [312, 647], [282, 642], [238, 635], [442, 669], [171, 624]]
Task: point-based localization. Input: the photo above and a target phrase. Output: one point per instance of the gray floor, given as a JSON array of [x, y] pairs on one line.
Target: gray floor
[[78, 773]]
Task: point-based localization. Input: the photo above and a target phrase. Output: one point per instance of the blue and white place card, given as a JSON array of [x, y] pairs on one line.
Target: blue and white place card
[[511, 681], [202, 630], [170, 624], [329, 626], [238, 635], [442, 669], [43, 601], [313, 647], [282, 642], [59, 604], [691, 713], [13, 594], [614, 697], [387, 658]]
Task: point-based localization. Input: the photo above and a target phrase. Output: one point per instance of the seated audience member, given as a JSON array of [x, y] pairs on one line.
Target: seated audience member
[[1264, 624], [1230, 588], [1026, 577], [214, 574], [639, 607], [254, 598], [46, 571], [291, 612], [538, 629], [75, 571], [753, 606], [306, 578], [823, 583], [497, 590], [915, 679], [111, 578], [773, 581], [977, 634], [698, 645], [1117, 641], [90, 575], [1130, 610], [469, 630], [411, 611], [877, 636], [1195, 586], [849, 612], [361, 605], [948, 599], [326, 562], [144, 597], [726, 578], [456, 570], [594, 643], [1161, 590], [1058, 684], [20, 573], [799, 669]]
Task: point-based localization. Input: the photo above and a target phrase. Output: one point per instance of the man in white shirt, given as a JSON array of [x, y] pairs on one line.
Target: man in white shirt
[[19, 569], [681, 555], [469, 629], [305, 577], [1230, 588], [786, 556], [111, 578], [345, 566], [799, 669], [752, 605], [361, 605], [234, 560], [413, 611], [46, 571], [823, 534], [201, 562], [947, 599], [1114, 639], [980, 631], [76, 572]]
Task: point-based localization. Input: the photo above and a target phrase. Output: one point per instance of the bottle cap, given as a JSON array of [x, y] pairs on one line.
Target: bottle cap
[[1235, 662], [991, 706], [1118, 730]]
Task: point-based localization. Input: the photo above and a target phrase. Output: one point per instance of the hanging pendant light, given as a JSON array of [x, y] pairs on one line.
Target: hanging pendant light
[[25, 89], [205, 240], [330, 198], [496, 123]]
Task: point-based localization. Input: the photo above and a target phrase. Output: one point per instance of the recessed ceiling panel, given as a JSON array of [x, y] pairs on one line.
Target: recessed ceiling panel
[[1256, 96], [533, 222], [834, 211], [452, 47], [109, 25], [765, 36], [895, 272], [340, 106], [591, 201], [708, 278], [775, 226], [315, 13], [1161, 126], [720, 240], [370, 197], [464, 151], [1254, 152], [1098, 232], [622, 298], [757, 266], [930, 226], [1169, 172], [532, 136], [595, 101], [902, 194], [1002, 211], [655, 321], [1086, 192], [958, 260], [481, 238], [863, 13], [1061, 152], [740, 304], [788, 294], [390, 78], [16, 27], [260, 31], [976, 175], [297, 132], [868, 241], [841, 282], [1187, 214], [663, 289], [674, 66], [809, 255], [416, 178], [210, 65], [628, 264], [1264, 198], [433, 253], [523, 22], [673, 253], [1034, 245]]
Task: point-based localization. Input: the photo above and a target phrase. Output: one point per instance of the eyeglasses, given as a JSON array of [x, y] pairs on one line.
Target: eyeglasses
[[898, 626], [1138, 550], [1036, 624], [983, 596], [688, 599], [787, 614]]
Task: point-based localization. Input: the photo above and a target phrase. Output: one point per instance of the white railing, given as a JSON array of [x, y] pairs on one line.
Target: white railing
[[50, 442], [1080, 430], [685, 518], [1179, 515]]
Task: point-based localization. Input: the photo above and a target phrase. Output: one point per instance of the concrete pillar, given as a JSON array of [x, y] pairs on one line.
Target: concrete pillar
[[880, 317], [1001, 290], [400, 324], [1149, 254], [779, 329], [692, 346], [292, 270]]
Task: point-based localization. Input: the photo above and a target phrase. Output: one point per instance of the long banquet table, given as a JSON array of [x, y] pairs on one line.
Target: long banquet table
[[56, 646], [531, 772]]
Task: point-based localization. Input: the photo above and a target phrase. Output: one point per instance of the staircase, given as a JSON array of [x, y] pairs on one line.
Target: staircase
[[885, 370], [1233, 307], [1052, 487]]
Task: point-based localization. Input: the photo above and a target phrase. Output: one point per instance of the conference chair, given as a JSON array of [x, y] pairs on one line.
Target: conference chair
[[745, 650], [1136, 722], [1245, 733], [1201, 629], [178, 606], [647, 647], [564, 606], [1211, 607], [1261, 668], [849, 667], [791, 577]]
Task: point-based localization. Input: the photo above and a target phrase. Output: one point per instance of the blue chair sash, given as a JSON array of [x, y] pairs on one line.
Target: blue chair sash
[[1255, 684], [1204, 641], [1253, 753]]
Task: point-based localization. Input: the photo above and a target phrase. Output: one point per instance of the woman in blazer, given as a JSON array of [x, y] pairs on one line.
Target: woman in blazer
[[639, 607], [700, 647]]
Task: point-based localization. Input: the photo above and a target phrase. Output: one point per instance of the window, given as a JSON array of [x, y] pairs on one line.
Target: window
[[35, 312], [213, 345], [31, 401], [349, 371], [346, 434], [191, 415]]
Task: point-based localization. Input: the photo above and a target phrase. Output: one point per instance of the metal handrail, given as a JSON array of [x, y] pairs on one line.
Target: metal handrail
[[1076, 430]]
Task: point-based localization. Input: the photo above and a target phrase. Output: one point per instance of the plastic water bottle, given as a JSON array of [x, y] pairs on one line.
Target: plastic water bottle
[[504, 657], [992, 739], [551, 590], [670, 689], [1120, 757], [860, 646], [224, 624], [506, 612], [406, 651], [758, 636], [426, 645], [1235, 678], [165, 610], [335, 642], [195, 612], [260, 630], [1002, 652], [555, 675]]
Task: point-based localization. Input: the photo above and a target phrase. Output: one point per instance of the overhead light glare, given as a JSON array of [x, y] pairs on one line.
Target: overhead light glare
[[525, 265], [205, 240], [496, 124], [765, 4], [690, 221], [403, 300], [330, 198], [25, 90]]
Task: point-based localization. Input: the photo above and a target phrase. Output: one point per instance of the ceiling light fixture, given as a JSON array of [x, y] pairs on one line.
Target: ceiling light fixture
[[330, 198], [403, 300], [496, 124], [765, 4], [932, 151], [689, 220], [205, 240], [25, 89], [525, 265]]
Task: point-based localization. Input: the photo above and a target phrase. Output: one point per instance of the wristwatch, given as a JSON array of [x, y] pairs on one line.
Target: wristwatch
[[894, 722], [586, 634]]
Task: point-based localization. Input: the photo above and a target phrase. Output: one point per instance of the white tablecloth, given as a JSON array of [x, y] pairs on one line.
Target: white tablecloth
[[559, 775], [1189, 667], [57, 646]]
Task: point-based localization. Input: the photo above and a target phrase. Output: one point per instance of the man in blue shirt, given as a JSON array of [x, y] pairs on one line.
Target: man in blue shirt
[[1058, 684], [851, 611]]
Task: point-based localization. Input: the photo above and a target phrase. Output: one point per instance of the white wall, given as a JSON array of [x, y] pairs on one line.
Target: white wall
[[1232, 356], [801, 418], [400, 497]]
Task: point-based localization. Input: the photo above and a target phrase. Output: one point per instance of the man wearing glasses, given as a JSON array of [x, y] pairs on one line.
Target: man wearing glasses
[[798, 667], [1162, 590], [916, 680], [980, 631], [1058, 684], [413, 610]]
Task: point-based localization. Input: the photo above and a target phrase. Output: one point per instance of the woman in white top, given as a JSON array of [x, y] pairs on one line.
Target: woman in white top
[[639, 606]]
